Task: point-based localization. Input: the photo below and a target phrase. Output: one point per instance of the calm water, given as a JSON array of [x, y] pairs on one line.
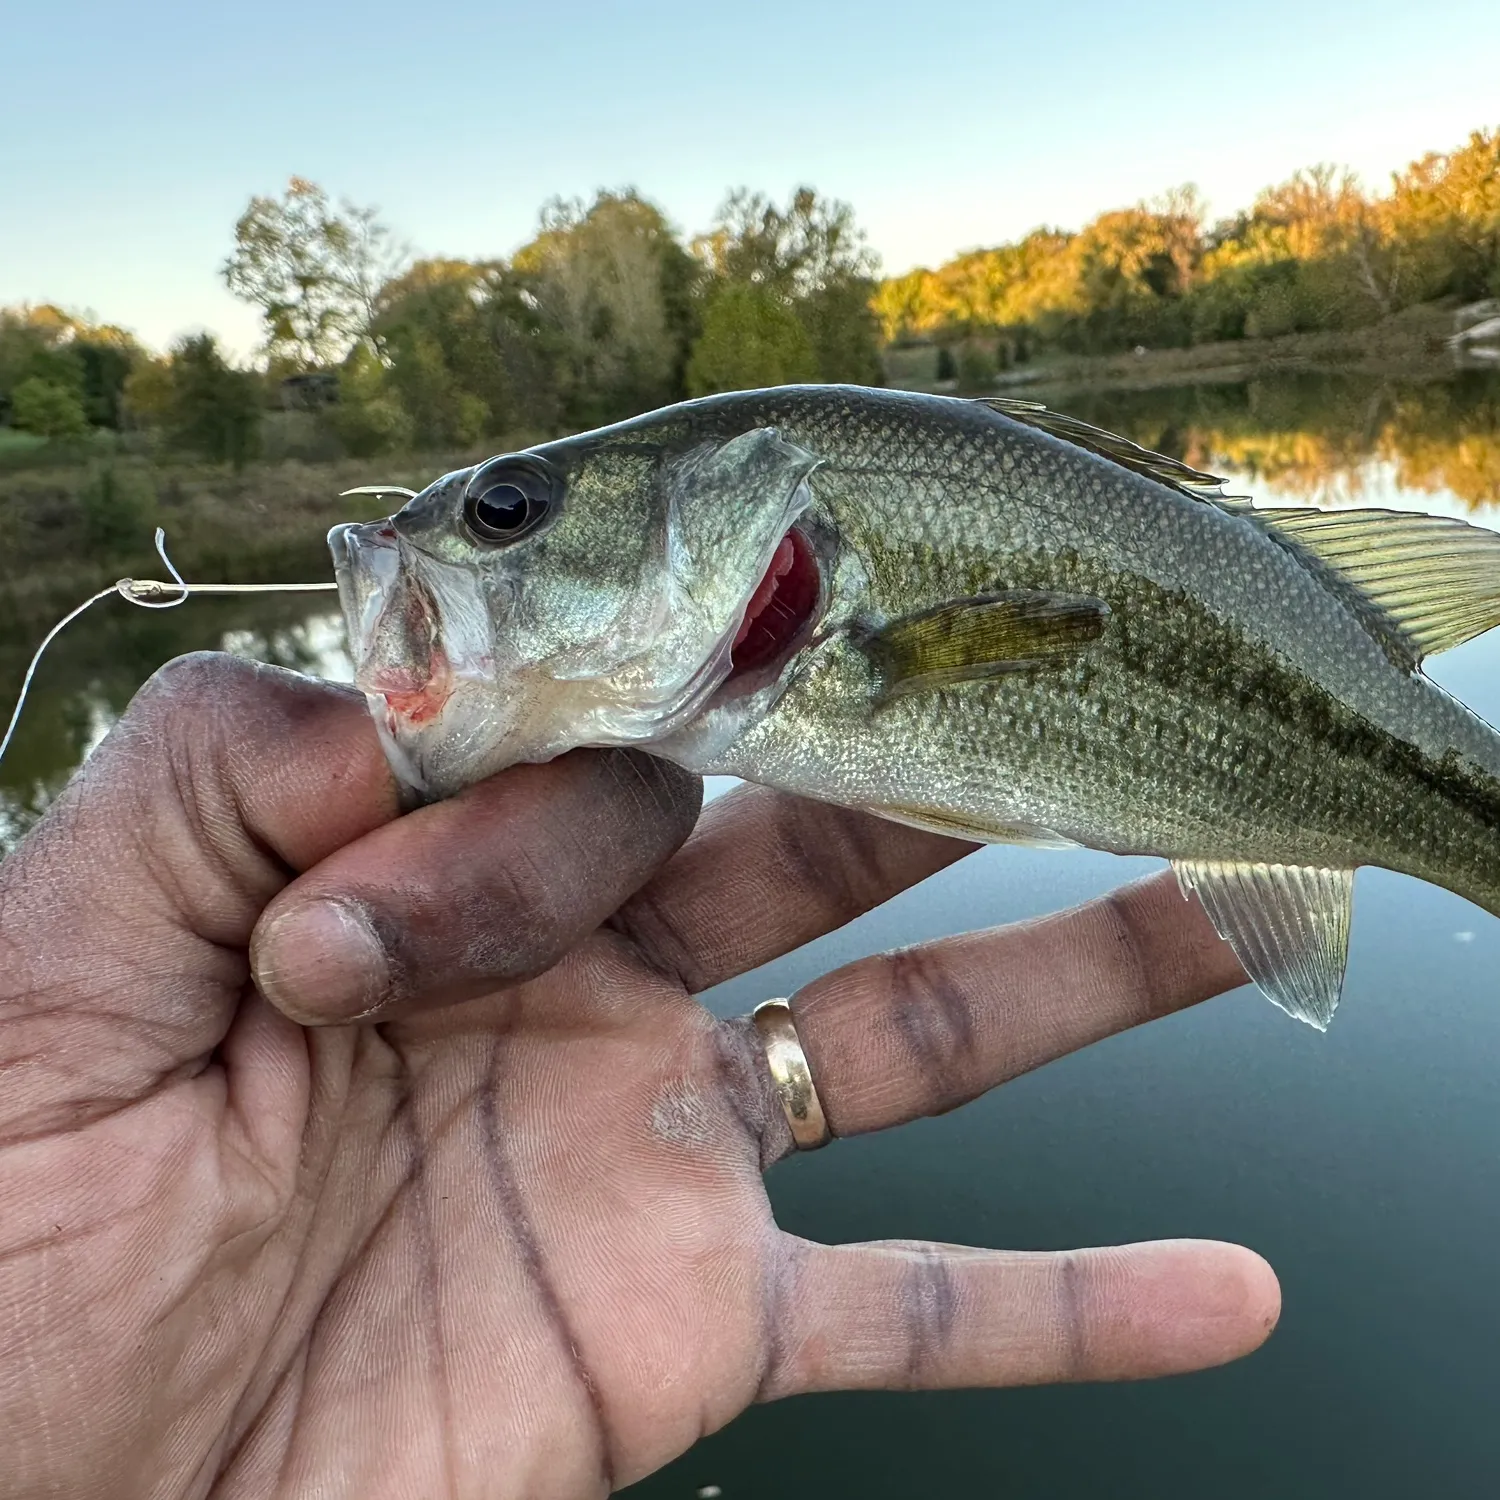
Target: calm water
[[1364, 1164]]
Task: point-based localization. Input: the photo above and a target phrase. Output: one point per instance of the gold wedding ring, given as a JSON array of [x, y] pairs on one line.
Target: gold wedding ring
[[791, 1075]]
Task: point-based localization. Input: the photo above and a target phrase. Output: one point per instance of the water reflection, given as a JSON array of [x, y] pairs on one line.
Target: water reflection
[[1327, 439], [95, 667]]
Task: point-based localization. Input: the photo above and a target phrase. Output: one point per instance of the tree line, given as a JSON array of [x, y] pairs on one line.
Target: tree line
[[608, 310], [1313, 253], [603, 314]]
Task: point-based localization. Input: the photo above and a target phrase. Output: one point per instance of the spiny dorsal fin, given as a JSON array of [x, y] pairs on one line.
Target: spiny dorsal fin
[[1169, 471], [1288, 926], [1434, 580], [969, 640]]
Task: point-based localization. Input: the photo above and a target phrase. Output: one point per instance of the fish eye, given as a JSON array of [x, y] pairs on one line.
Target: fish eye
[[507, 498]]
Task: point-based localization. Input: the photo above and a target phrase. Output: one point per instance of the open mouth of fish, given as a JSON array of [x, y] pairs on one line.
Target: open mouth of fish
[[779, 617], [423, 681]]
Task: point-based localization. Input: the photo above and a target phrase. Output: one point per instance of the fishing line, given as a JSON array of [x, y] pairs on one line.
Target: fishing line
[[148, 593]]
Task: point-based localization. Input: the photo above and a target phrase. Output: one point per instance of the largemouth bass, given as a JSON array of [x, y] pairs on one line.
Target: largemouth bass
[[978, 617]]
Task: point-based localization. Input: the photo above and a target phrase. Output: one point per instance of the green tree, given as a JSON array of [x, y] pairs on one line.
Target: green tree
[[812, 243], [146, 400], [47, 408], [91, 360], [751, 337], [440, 412], [844, 332], [440, 332], [314, 270], [813, 256], [607, 293], [368, 418], [34, 346], [105, 356], [212, 409]]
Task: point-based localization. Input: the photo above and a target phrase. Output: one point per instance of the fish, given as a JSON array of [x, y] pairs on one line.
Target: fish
[[979, 617]]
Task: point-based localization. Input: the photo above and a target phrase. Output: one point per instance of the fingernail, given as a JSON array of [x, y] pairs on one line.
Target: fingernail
[[321, 963]]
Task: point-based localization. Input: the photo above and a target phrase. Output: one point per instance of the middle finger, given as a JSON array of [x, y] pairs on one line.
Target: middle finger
[[766, 872]]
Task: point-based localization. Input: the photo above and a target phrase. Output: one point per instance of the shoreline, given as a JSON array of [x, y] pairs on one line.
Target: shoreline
[[1411, 344]]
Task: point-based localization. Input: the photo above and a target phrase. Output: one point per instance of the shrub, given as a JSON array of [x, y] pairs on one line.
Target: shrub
[[47, 409], [976, 367], [118, 505]]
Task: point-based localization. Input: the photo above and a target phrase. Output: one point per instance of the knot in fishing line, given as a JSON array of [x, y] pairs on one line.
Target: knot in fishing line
[[147, 593]]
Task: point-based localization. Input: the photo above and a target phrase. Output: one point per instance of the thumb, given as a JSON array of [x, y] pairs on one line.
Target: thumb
[[125, 912]]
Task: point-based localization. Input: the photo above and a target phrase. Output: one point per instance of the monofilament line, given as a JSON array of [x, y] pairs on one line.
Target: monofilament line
[[148, 593]]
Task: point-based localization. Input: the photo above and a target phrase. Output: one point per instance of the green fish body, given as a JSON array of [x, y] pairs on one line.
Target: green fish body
[[1020, 629]]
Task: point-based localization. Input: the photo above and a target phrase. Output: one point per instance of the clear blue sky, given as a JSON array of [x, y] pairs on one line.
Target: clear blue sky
[[132, 135]]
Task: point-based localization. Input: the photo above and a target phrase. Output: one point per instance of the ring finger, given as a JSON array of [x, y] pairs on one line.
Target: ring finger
[[920, 1031]]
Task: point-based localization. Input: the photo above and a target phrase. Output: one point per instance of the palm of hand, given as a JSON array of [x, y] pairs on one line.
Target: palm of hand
[[512, 1240]]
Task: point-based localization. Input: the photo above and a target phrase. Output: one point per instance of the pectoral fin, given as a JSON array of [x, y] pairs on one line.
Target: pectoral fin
[[969, 640], [974, 826], [1288, 925]]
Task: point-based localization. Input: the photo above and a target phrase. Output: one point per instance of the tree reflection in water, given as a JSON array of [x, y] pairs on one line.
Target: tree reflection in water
[[1326, 439]]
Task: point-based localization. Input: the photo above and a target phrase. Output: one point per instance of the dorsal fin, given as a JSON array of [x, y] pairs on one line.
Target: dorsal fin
[[1120, 450], [1434, 581], [1426, 583]]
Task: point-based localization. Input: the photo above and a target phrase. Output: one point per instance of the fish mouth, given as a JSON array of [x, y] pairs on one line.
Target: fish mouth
[[411, 676], [395, 626], [781, 611]]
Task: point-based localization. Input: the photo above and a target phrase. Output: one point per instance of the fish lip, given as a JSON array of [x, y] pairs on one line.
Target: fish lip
[[381, 593]]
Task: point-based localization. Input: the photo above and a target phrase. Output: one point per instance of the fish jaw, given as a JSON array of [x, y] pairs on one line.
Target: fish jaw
[[418, 634], [453, 701]]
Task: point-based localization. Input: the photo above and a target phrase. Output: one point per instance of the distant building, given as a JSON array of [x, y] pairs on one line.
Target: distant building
[[310, 392], [1476, 337]]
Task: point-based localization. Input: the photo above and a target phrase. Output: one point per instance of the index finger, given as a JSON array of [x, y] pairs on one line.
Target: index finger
[[766, 872], [469, 895]]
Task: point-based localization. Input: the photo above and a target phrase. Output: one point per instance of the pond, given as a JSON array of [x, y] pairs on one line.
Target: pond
[[1365, 1164]]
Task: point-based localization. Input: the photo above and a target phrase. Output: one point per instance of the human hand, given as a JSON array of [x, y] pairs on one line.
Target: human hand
[[506, 1234]]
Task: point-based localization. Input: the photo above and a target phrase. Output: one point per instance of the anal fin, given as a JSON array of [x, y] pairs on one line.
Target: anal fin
[[1287, 924]]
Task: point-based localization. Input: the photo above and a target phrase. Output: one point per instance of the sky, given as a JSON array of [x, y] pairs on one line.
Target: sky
[[132, 136]]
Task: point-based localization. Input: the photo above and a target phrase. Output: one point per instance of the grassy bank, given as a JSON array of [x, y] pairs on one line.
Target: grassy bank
[[1411, 344], [70, 530]]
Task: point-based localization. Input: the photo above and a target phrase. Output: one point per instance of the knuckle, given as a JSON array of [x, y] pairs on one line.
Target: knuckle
[[929, 1297], [933, 1017], [1125, 959], [521, 927], [1076, 1297], [199, 677]]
